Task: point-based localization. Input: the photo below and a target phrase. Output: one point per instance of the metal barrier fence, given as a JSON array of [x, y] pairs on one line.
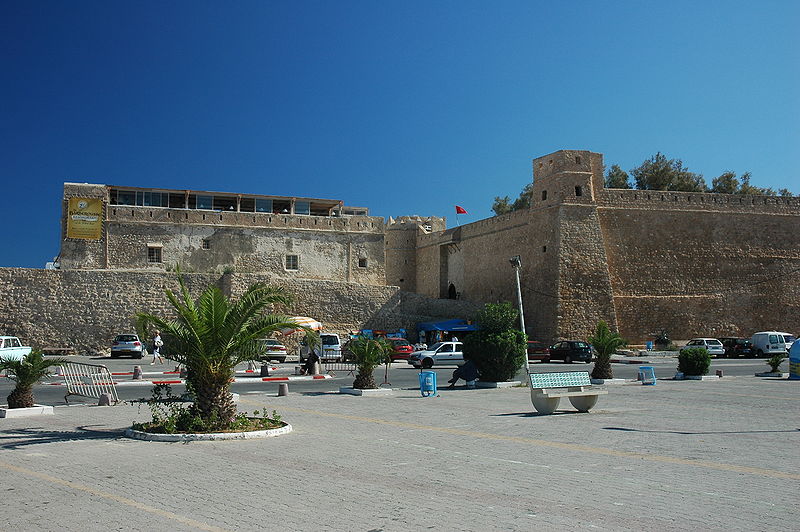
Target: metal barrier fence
[[88, 380], [330, 366]]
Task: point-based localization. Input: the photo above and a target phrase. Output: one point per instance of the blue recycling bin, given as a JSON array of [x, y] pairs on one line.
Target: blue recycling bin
[[649, 346], [647, 374], [427, 383]]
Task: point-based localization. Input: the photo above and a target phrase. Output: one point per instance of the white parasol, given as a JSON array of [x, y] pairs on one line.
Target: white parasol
[[302, 321]]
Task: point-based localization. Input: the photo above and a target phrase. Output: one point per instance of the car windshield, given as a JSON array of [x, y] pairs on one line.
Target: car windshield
[[329, 340], [127, 338], [714, 342], [400, 341], [435, 346], [581, 345], [270, 342], [788, 338], [743, 342]]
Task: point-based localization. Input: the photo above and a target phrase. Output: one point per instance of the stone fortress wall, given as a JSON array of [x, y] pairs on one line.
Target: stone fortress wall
[[87, 308], [693, 264]]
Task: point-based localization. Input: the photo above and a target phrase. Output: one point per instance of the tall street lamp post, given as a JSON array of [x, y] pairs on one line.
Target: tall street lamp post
[[516, 263]]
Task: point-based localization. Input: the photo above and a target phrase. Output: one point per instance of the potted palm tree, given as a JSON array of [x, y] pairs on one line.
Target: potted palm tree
[[210, 337], [606, 343], [26, 372], [369, 353]]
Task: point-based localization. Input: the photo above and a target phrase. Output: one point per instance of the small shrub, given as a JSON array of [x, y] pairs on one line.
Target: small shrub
[[775, 362], [694, 361], [369, 354]]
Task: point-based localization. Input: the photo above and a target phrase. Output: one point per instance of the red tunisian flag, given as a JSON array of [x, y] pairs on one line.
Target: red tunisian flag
[[460, 210]]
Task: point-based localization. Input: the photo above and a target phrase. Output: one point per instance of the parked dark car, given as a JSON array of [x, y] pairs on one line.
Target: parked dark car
[[737, 347], [538, 351], [570, 351]]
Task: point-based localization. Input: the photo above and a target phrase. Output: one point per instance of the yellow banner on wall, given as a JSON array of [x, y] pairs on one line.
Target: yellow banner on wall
[[85, 218]]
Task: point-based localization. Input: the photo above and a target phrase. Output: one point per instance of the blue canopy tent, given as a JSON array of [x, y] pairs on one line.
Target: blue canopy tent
[[446, 326]]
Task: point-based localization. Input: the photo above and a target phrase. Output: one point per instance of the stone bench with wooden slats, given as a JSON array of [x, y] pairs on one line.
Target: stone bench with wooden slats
[[547, 389]]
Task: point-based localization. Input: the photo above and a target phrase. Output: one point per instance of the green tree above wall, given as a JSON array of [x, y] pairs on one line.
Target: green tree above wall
[[660, 173], [505, 205], [616, 177]]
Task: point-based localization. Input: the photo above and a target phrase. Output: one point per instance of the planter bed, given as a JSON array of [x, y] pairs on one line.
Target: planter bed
[[35, 410], [349, 390], [212, 436]]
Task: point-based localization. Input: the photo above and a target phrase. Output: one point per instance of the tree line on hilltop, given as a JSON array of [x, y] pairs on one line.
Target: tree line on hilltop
[[656, 173]]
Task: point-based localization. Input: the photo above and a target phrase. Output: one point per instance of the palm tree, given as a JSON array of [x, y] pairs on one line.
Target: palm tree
[[606, 344], [26, 372], [211, 336], [369, 354]]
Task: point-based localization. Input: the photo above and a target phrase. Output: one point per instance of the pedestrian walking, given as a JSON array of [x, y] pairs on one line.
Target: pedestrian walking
[[157, 343]]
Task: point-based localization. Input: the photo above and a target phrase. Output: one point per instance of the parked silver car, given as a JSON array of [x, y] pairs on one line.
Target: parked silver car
[[127, 345], [712, 345], [439, 354]]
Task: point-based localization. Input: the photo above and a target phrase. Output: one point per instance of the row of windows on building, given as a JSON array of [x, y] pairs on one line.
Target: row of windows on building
[[183, 200], [206, 202], [291, 262]]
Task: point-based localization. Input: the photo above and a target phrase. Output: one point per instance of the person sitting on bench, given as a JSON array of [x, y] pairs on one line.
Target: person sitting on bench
[[311, 361], [468, 372]]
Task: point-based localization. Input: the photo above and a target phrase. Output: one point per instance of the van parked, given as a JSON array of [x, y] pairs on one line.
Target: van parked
[[789, 339], [768, 343], [330, 348]]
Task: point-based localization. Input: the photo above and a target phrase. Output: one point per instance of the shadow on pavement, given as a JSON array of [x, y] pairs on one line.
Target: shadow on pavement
[[14, 439], [624, 429]]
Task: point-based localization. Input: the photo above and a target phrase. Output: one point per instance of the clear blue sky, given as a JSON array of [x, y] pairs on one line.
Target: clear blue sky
[[403, 107]]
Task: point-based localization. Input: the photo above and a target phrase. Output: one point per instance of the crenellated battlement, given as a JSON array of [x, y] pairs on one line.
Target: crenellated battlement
[[665, 200]]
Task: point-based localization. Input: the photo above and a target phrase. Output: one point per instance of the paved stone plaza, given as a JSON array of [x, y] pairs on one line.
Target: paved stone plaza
[[676, 456]]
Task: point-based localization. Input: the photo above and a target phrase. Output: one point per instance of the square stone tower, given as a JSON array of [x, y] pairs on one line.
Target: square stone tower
[[567, 176]]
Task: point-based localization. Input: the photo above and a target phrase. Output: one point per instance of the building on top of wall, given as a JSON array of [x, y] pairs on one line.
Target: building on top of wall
[[119, 228]]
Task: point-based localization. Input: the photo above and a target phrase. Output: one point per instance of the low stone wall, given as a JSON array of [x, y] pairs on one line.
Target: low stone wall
[[85, 309]]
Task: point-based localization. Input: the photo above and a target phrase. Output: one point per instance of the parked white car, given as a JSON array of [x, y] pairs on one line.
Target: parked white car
[[12, 349], [273, 350], [439, 354], [768, 343], [712, 345]]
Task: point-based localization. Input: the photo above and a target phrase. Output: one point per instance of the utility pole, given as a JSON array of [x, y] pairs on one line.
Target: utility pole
[[516, 263]]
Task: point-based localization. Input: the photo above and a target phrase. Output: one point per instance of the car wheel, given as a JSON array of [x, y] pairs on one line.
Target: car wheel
[[141, 356], [545, 361], [589, 361], [759, 353], [427, 363], [567, 359]]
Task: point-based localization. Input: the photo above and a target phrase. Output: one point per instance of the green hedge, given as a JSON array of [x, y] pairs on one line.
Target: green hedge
[[694, 361]]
